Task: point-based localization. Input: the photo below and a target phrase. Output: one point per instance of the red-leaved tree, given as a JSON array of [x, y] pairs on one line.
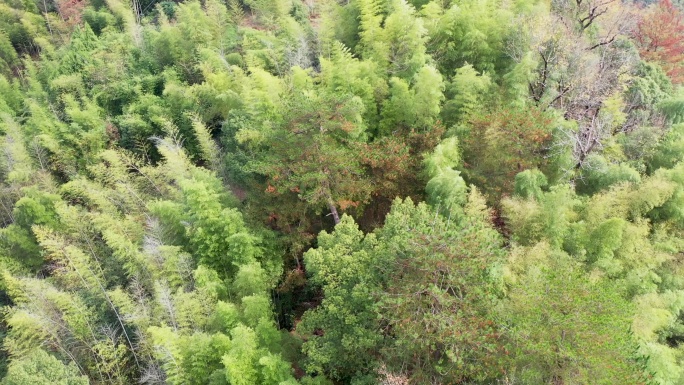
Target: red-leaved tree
[[71, 11], [660, 38]]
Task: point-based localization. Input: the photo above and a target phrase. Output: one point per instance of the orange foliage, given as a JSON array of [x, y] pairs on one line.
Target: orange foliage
[[660, 38], [345, 204], [71, 10]]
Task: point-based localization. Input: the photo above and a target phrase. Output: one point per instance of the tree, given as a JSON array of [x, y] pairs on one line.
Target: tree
[[343, 333], [313, 156], [41, 368], [564, 328], [466, 94], [446, 189], [471, 32], [71, 11], [572, 60], [217, 236], [417, 107], [647, 91], [501, 143], [383, 295], [660, 38], [439, 292], [8, 56], [405, 37]]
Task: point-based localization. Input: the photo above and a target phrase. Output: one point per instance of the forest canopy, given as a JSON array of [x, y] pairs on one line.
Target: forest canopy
[[324, 192]]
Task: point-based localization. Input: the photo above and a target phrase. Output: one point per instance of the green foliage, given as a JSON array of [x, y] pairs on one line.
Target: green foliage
[[405, 37], [541, 215], [40, 368], [650, 87], [465, 94], [471, 32], [269, 9], [529, 184], [373, 42], [565, 327], [8, 56], [445, 188], [217, 236], [347, 272], [667, 153], [598, 175], [417, 107], [432, 289], [373, 279], [500, 144], [362, 78]]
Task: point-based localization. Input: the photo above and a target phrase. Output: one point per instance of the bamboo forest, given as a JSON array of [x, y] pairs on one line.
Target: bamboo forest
[[330, 192]]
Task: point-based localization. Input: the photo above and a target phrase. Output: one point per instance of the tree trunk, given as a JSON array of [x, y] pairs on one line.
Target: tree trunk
[[333, 211]]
